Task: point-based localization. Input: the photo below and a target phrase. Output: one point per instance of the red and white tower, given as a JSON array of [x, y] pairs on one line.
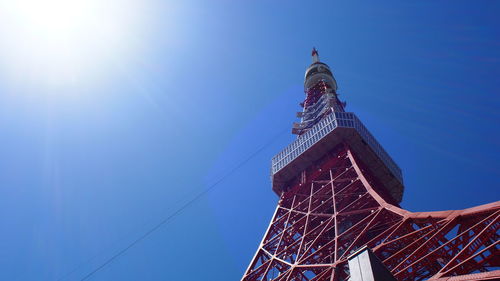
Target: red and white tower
[[340, 193]]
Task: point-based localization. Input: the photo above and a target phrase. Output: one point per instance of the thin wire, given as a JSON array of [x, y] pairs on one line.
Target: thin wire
[[78, 267], [178, 211]]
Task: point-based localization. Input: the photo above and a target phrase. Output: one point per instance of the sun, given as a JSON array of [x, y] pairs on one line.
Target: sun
[[54, 19], [64, 39]]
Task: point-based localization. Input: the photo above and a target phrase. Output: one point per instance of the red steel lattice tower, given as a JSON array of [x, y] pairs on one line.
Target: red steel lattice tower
[[340, 191]]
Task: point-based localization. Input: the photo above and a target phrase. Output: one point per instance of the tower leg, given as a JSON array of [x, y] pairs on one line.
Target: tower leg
[[338, 208]]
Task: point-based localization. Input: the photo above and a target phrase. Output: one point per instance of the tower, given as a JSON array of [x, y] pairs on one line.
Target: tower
[[340, 192]]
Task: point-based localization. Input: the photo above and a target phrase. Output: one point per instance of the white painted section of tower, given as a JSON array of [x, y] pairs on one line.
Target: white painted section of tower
[[315, 56]]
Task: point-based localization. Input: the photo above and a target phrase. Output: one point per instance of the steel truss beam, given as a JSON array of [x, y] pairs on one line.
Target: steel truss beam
[[337, 208]]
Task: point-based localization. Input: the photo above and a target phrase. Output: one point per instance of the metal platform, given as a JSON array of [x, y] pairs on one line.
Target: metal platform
[[334, 129]]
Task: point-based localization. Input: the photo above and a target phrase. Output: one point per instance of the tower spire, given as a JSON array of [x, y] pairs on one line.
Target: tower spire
[[321, 99], [315, 55]]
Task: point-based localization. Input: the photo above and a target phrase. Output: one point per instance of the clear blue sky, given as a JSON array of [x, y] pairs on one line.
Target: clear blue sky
[[93, 157]]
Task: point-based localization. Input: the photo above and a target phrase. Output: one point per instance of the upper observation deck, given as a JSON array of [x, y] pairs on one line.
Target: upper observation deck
[[330, 131]]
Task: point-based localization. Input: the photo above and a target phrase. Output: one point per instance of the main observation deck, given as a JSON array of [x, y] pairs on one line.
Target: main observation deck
[[333, 129]]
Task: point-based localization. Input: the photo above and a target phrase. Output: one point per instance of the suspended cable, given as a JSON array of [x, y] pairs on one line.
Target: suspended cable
[[175, 213]]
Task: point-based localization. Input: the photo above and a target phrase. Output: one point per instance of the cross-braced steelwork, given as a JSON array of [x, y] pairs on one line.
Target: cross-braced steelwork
[[339, 191], [337, 208]]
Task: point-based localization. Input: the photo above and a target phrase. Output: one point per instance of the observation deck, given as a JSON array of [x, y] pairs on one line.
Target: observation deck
[[332, 130]]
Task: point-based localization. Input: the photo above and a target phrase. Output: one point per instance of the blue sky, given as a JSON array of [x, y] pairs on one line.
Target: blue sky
[[95, 155]]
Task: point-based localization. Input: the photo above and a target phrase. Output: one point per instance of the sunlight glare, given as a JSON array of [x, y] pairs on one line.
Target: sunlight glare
[[64, 40]]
